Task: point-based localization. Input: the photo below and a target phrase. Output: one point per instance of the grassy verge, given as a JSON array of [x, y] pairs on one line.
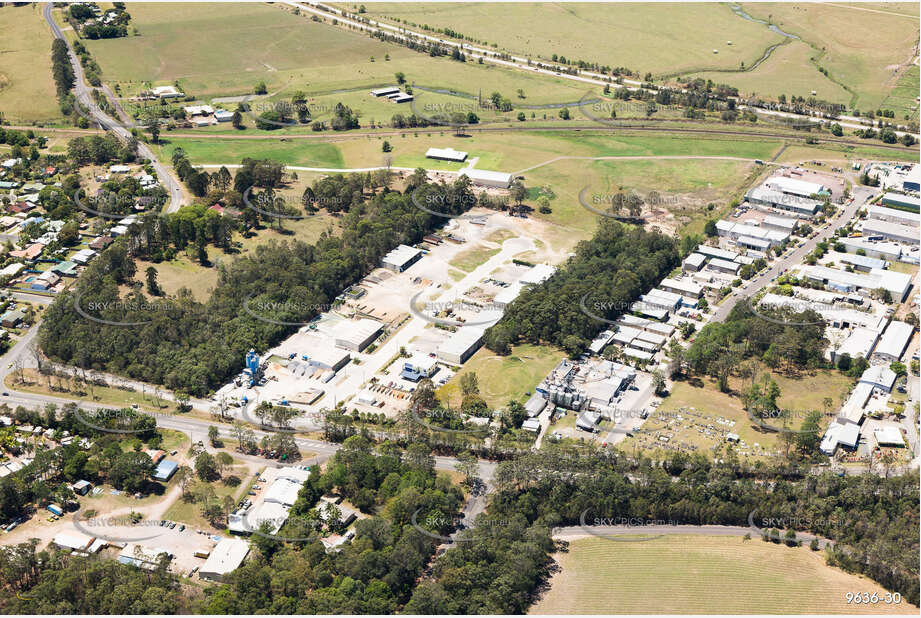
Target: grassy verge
[[503, 378]]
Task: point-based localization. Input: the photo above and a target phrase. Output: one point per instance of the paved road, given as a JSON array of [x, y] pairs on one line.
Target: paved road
[[860, 197], [195, 428], [109, 124]]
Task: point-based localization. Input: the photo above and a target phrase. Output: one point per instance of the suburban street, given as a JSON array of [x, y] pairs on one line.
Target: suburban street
[[84, 97], [779, 266]]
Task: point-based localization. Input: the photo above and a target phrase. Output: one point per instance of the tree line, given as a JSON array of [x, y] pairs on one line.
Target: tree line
[[872, 520], [196, 346], [375, 572], [607, 274]]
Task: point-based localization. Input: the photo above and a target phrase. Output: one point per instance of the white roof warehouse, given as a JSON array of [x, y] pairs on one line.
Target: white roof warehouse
[[793, 186], [461, 345], [897, 284], [226, 557], [446, 154], [401, 258], [356, 335], [487, 178], [894, 341]]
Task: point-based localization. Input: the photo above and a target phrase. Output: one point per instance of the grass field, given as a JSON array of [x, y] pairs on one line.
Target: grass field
[[688, 185], [27, 92], [903, 98], [789, 71], [684, 37], [225, 49], [503, 378], [691, 183], [854, 53], [582, 31], [183, 271], [107, 395], [700, 403], [702, 575], [232, 151], [469, 259]]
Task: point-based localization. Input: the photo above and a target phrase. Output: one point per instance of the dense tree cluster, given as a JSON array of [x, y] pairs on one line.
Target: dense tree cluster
[[873, 520], [782, 337], [372, 574], [63, 74], [99, 149], [55, 583], [607, 274]]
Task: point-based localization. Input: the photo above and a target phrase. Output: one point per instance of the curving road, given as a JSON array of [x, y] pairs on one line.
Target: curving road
[[109, 124]]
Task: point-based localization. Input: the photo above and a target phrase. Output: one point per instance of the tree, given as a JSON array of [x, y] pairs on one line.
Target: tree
[[898, 369], [423, 398], [69, 234], [518, 192], [213, 435], [386, 147], [468, 466], [836, 130], [658, 382], [205, 466], [152, 286], [400, 77], [237, 120], [420, 456], [154, 129], [469, 384], [223, 460], [260, 88], [710, 228], [182, 398]]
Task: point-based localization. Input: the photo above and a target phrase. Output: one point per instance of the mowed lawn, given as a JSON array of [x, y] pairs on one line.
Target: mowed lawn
[[702, 575], [219, 151], [503, 378], [27, 92]]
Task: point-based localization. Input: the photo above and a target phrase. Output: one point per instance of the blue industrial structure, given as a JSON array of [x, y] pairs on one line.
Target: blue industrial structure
[[252, 369]]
